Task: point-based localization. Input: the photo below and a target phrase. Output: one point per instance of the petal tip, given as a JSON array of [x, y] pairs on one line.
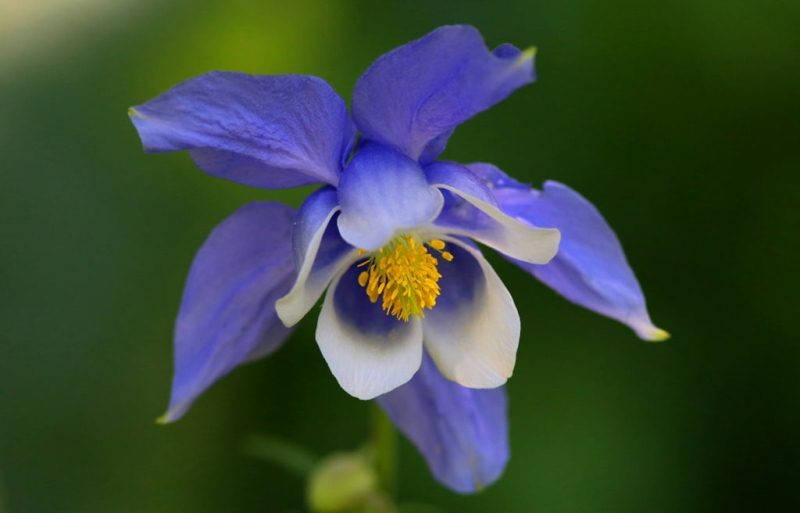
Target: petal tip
[[165, 419], [527, 55], [651, 333], [526, 61], [658, 335], [552, 243], [555, 234], [359, 395], [283, 308], [368, 392]]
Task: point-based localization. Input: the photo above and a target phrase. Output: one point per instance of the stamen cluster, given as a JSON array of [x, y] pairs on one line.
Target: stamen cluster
[[405, 275]]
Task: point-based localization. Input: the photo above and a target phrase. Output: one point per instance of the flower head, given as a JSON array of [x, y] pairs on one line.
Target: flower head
[[412, 314]]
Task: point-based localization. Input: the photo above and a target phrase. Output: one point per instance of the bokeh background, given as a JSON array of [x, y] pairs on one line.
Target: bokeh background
[[679, 120]]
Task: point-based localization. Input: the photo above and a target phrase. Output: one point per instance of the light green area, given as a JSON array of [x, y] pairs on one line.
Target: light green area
[[287, 455], [341, 482]]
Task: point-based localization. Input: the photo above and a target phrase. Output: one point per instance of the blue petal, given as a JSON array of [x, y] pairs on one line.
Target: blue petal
[[590, 268], [314, 215], [494, 178], [320, 254], [414, 96], [227, 316], [381, 194], [263, 131], [462, 433]]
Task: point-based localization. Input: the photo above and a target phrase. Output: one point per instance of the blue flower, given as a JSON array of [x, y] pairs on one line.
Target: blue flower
[[413, 314]]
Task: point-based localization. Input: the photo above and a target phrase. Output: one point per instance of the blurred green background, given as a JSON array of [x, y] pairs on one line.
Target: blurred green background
[[679, 120]]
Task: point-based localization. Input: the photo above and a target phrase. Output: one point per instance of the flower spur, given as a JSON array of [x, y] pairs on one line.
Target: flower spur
[[413, 314]]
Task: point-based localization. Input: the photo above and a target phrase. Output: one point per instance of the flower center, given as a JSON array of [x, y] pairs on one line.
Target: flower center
[[405, 275]]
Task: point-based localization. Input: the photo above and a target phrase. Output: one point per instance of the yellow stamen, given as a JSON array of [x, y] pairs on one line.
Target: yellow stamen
[[436, 244], [405, 275]]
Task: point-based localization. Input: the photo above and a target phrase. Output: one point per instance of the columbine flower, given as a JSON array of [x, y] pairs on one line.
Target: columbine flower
[[413, 314]]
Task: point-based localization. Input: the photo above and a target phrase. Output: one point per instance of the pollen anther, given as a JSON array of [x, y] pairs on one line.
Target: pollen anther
[[404, 274]]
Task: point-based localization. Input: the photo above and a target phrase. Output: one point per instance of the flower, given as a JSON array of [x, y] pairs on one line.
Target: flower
[[413, 314]]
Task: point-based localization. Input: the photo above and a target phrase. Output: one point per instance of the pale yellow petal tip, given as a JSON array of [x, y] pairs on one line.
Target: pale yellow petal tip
[[133, 112], [527, 55], [657, 335], [163, 420]]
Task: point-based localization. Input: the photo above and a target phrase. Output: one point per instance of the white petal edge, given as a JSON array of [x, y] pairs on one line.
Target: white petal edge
[[509, 236], [367, 366], [476, 346], [307, 289]]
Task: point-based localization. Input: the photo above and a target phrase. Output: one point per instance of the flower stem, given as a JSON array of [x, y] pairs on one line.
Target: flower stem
[[384, 446]]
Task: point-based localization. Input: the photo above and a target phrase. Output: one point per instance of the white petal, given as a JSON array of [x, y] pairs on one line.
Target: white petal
[[491, 226], [314, 274], [366, 362], [473, 332]]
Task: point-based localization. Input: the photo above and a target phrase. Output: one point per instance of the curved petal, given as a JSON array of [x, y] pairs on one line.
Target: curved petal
[[382, 193], [472, 211], [320, 254], [473, 332], [263, 131], [227, 316], [493, 178], [412, 96], [368, 352], [462, 433], [590, 268]]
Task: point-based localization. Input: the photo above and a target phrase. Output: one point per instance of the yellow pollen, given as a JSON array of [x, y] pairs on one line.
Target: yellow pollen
[[404, 275]]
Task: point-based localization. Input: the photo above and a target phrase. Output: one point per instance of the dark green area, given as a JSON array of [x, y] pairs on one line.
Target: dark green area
[[679, 120]]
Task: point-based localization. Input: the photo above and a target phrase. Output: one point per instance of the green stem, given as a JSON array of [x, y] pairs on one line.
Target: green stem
[[384, 447]]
